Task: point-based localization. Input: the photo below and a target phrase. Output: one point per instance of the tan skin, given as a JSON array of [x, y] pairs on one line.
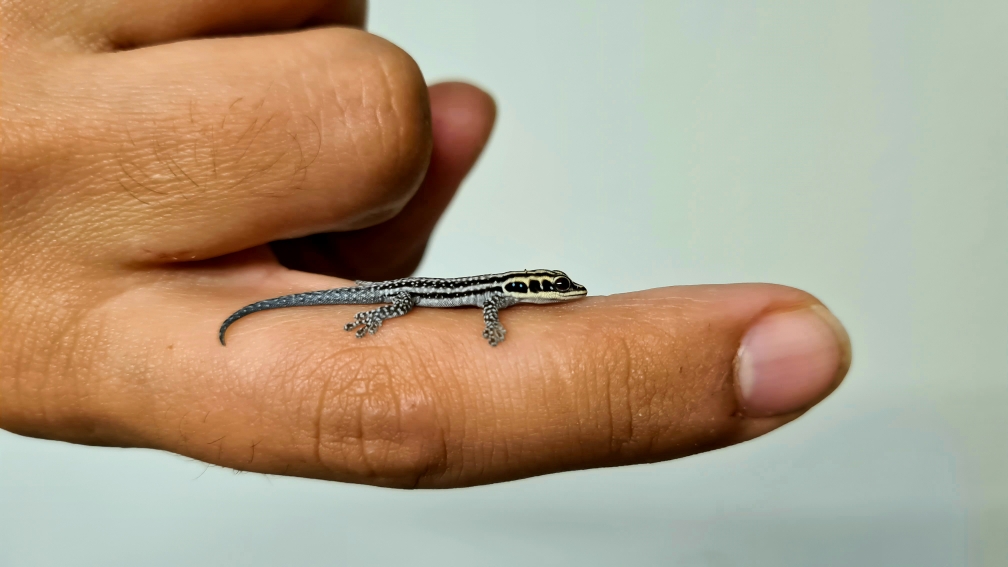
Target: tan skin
[[153, 181]]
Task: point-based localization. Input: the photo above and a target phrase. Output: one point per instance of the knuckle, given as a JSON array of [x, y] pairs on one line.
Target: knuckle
[[616, 381], [628, 396], [375, 420], [389, 113], [660, 402]]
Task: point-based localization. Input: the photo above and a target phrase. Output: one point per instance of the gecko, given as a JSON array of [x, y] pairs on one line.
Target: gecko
[[398, 297]]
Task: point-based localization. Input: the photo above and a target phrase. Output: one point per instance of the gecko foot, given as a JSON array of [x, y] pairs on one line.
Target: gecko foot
[[366, 323], [494, 333]]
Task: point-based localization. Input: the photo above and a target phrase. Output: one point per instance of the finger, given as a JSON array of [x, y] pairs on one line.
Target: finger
[[606, 381], [113, 24], [197, 149], [462, 118], [144, 22], [340, 13]]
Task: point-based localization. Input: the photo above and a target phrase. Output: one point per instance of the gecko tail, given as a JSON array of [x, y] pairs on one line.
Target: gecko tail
[[336, 296], [275, 303], [227, 322]]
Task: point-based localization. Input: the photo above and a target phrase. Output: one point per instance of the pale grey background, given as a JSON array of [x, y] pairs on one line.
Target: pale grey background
[[855, 149]]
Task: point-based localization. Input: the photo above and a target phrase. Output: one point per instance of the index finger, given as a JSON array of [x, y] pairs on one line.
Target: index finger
[[604, 381]]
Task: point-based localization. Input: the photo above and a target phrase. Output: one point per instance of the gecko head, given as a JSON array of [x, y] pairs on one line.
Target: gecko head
[[542, 286]]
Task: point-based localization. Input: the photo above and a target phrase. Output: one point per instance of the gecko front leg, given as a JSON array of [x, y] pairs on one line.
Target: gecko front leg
[[494, 331], [369, 321]]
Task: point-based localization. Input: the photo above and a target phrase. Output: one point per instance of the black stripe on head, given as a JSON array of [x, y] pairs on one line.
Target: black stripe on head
[[516, 287]]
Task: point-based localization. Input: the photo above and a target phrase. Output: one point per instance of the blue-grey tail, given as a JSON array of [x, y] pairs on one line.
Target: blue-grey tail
[[338, 296], [234, 317], [274, 303]]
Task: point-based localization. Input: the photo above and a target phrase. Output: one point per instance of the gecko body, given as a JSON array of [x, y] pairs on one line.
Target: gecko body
[[492, 292]]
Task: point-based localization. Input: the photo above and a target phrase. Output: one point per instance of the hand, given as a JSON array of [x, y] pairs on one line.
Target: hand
[[154, 182]]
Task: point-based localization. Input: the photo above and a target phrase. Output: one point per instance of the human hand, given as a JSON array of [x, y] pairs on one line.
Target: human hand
[[145, 174]]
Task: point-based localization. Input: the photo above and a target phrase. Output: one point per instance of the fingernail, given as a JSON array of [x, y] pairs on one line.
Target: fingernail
[[790, 360]]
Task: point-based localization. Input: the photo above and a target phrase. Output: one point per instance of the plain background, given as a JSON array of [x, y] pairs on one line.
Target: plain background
[[858, 150]]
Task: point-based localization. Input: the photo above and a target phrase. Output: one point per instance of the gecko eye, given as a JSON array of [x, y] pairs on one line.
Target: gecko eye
[[516, 287], [562, 284]]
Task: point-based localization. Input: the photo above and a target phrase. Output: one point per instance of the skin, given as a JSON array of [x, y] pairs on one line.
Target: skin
[[168, 161]]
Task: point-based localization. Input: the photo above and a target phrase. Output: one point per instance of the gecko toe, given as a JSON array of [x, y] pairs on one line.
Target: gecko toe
[[364, 325], [494, 334]]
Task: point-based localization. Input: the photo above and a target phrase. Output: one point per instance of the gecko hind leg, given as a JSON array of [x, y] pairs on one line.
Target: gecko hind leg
[[368, 321]]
